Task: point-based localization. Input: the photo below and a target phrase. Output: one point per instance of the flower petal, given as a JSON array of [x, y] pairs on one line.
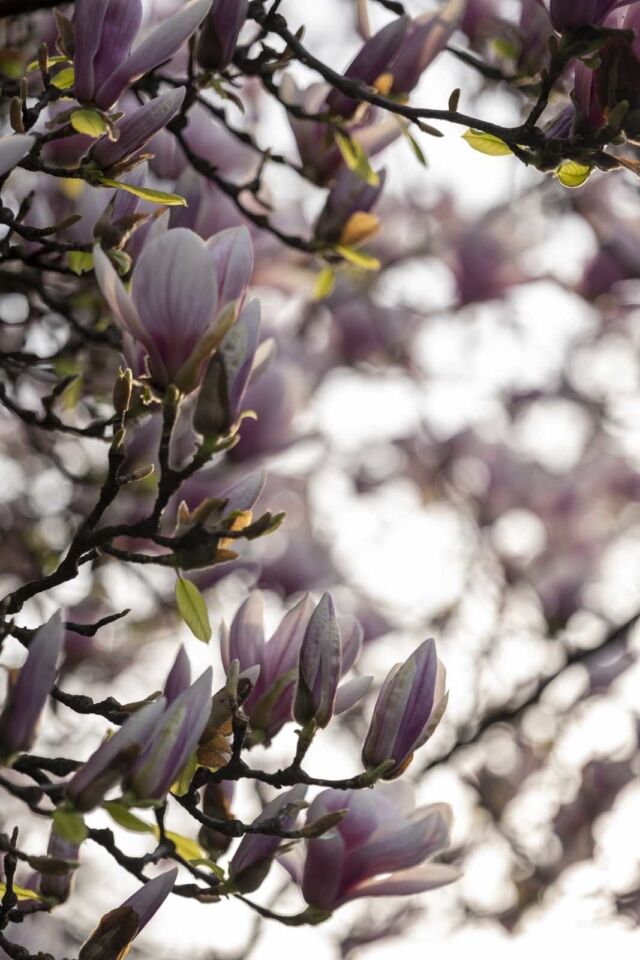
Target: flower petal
[[155, 49]]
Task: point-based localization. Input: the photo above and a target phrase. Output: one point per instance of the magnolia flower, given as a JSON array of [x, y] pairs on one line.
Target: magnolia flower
[[319, 666], [184, 296], [345, 217], [409, 707], [252, 860], [114, 757], [57, 883], [12, 150], [179, 676], [174, 739], [377, 849], [105, 30], [119, 927], [219, 34], [227, 375], [426, 37], [270, 704], [319, 154], [29, 691], [573, 14], [373, 61], [135, 130]]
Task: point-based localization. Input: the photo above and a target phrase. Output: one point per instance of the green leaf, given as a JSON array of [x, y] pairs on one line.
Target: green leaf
[[64, 79], [358, 258], [79, 261], [186, 848], [145, 193], [356, 159], [193, 609], [486, 143], [417, 149], [89, 122], [22, 893], [70, 826], [325, 282], [35, 64], [206, 862], [573, 174], [124, 818]]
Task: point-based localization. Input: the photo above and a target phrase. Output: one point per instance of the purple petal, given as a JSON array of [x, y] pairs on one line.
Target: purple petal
[[238, 349], [352, 637], [174, 290], [122, 306], [179, 676], [256, 848], [231, 253], [148, 899], [429, 876], [175, 739], [87, 22], [137, 129], [158, 47], [349, 693], [132, 736], [30, 692], [119, 29], [245, 640]]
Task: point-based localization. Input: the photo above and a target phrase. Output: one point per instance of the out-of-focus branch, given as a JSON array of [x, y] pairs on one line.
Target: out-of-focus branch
[[512, 712]]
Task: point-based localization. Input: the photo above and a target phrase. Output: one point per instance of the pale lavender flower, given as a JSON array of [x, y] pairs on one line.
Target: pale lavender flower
[[375, 58], [378, 848], [13, 149], [227, 375], [105, 31], [219, 35], [179, 676], [119, 927], [135, 130], [252, 860], [28, 694], [573, 14], [410, 705], [319, 154], [57, 885], [173, 741], [184, 297], [349, 195], [426, 37], [114, 757], [270, 704], [319, 666]]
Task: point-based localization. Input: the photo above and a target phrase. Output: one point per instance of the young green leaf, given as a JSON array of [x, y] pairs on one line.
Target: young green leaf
[[79, 261], [22, 893], [89, 122], [145, 193], [486, 143], [573, 174], [325, 282], [64, 79], [358, 258], [186, 848], [356, 159], [124, 818], [193, 609], [70, 826]]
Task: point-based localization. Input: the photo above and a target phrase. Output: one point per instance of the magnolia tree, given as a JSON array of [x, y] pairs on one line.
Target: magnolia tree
[[190, 252]]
